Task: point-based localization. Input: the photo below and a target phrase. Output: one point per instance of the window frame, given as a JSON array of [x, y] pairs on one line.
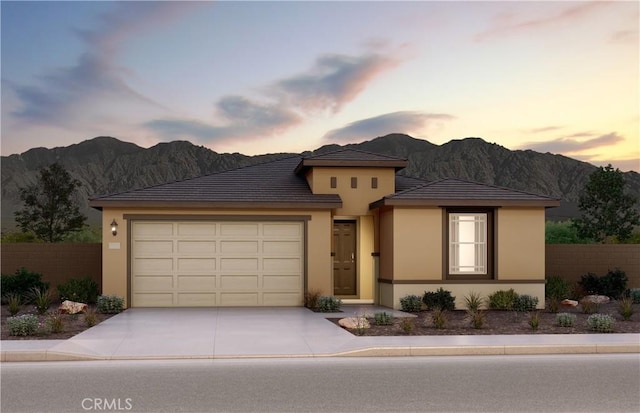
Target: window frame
[[488, 274]]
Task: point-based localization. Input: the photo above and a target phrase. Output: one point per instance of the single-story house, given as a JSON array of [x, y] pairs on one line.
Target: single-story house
[[340, 223]]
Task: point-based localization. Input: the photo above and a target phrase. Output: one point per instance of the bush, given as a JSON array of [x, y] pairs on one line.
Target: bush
[[56, 322], [525, 302], [23, 325], [90, 317], [589, 307], [556, 287], [625, 308], [613, 284], [329, 304], [473, 301], [441, 299], [311, 299], [110, 304], [602, 323], [502, 299], [83, 290], [534, 320], [407, 325], [383, 319], [634, 293], [411, 303], [476, 318], [438, 317], [566, 319], [42, 299], [14, 301], [22, 283]]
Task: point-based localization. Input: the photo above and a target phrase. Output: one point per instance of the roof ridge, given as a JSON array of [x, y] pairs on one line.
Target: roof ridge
[[497, 187], [343, 149]]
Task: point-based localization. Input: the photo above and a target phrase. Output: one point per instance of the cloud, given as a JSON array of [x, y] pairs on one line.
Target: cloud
[[545, 129], [568, 144], [510, 23], [625, 36], [333, 81], [244, 118], [402, 122]]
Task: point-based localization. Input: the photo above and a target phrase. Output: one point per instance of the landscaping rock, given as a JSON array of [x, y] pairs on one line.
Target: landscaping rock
[[596, 299], [71, 307], [354, 323], [569, 303]]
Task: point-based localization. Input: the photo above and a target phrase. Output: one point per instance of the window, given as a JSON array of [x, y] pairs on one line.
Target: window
[[354, 182], [374, 182], [334, 182], [469, 245]]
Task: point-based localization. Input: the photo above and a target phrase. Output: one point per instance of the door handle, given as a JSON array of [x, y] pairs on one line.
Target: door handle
[[353, 257]]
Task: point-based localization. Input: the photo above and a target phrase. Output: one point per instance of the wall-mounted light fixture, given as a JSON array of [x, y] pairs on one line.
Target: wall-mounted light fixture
[[114, 227]]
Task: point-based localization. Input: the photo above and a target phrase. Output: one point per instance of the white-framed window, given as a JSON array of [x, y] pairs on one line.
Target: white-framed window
[[468, 243]]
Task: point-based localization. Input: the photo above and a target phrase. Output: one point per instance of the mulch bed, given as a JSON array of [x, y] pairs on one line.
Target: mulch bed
[[499, 322], [73, 324]]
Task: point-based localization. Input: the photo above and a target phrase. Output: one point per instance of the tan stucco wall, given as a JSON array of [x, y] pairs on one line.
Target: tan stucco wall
[[114, 263], [459, 291], [520, 243], [386, 245], [355, 201], [365, 267], [417, 245]]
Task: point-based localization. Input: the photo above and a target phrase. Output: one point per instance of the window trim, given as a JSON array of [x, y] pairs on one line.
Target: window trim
[[374, 182], [490, 244]]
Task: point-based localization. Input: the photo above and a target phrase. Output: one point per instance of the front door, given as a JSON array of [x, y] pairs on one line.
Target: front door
[[344, 260]]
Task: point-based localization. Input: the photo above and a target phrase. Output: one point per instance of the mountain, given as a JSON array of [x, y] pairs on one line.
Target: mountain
[[107, 165]]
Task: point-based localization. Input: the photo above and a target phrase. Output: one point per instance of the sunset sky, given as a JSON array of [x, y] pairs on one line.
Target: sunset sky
[[261, 77]]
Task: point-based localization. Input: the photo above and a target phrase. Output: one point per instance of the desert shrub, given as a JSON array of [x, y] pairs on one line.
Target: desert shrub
[[602, 323], [90, 317], [476, 318], [23, 325], [22, 283], [556, 287], [383, 319], [613, 284], [110, 304], [42, 299], [439, 318], [473, 301], [14, 301], [625, 308], [440, 299], [56, 322], [311, 299], [589, 307], [407, 325], [634, 293], [534, 320], [411, 303], [525, 302], [566, 319], [329, 304], [82, 290], [502, 299]]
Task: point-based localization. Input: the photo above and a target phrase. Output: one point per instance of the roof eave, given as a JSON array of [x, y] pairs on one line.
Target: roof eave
[[305, 164], [546, 203], [103, 203]]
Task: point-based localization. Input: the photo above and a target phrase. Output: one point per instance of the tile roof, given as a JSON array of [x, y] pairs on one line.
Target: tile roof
[[457, 192], [271, 184], [351, 158], [404, 182]]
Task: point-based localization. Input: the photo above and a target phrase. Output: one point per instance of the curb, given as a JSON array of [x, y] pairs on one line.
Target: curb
[[45, 355]]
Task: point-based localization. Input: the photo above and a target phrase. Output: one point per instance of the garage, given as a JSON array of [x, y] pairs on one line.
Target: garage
[[216, 263]]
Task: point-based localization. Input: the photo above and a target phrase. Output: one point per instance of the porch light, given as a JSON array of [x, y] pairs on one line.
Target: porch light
[[114, 227]]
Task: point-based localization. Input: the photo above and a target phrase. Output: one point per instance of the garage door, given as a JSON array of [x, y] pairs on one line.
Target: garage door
[[204, 264]]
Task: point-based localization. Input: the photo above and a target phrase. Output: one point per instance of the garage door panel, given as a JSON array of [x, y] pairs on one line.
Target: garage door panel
[[239, 299], [281, 282], [282, 299], [196, 247], [197, 283], [280, 230], [285, 265], [196, 265], [154, 284], [150, 248], [239, 264], [153, 300], [152, 229], [197, 229], [196, 300], [239, 230], [239, 282], [239, 247], [145, 266], [282, 247]]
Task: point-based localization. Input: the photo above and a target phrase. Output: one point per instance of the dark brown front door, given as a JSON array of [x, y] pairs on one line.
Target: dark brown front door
[[344, 260]]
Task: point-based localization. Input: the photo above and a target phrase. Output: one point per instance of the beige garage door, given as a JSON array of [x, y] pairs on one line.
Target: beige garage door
[[205, 264]]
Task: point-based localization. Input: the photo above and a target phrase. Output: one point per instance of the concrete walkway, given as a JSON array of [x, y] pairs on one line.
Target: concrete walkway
[[159, 333]]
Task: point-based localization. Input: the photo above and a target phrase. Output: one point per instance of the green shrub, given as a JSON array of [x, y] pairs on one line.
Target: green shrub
[[525, 302], [476, 318], [556, 287], [110, 304], [90, 317], [566, 319], [634, 293], [81, 290], [22, 283], [311, 299], [14, 301], [441, 299], [438, 317], [56, 322], [473, 301], [589, 307], [502, 299], [383, 319], [329, 304], [42, 299], [534, 320], [23, 325], [602, 323], [407, 325], [625, 308], [411, 303], [613, 284]]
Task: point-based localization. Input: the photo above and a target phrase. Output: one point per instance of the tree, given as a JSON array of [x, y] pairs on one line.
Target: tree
[[606, 210], [49, 211]]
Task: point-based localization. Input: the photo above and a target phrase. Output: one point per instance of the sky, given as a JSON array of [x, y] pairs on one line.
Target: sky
[[264, 77]]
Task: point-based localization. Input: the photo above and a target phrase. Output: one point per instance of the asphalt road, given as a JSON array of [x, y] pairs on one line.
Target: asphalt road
[[593, 383]]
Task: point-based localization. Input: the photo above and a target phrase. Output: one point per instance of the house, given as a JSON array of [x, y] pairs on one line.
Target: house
[[341, 223]]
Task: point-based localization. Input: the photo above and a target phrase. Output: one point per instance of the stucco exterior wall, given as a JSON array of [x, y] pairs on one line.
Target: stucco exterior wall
[[365, 262], [520, 244], [386, 244], [417, 246], [114, 248]]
